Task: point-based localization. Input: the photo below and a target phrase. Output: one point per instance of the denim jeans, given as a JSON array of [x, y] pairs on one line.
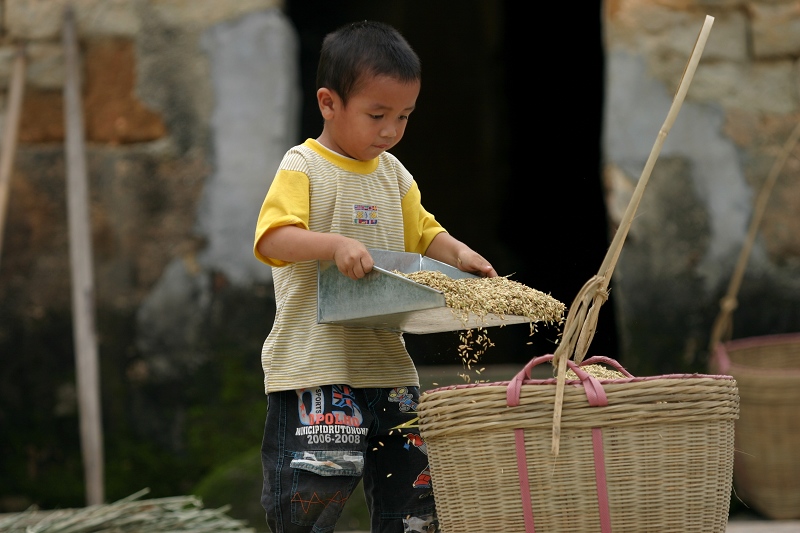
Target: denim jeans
[[320, 442]]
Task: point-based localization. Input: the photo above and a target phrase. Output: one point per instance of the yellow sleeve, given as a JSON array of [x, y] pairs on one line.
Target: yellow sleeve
[[420, 227], [286, 204]]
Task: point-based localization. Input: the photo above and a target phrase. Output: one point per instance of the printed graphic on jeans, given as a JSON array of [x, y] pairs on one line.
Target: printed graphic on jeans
[[420, 524], [340, 423], [423, 480], [401, 396], [406, 403]]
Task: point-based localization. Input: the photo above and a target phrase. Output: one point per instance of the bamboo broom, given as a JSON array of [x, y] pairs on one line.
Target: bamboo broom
[[581, 322]]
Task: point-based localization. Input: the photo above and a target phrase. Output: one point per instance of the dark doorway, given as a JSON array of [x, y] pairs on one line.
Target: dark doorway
[[505, 143]]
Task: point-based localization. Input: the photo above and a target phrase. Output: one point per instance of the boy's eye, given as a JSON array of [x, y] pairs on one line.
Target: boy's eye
[[376, 117], [404, 117]]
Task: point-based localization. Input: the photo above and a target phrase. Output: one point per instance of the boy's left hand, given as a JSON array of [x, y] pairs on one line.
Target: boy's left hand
[[473, 262]]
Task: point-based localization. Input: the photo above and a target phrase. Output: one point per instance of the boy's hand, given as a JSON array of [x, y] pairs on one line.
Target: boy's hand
[[352, 259], [473, 262], [447, 249]]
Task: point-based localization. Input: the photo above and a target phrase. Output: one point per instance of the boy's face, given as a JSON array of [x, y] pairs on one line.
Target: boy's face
[[374, 120]]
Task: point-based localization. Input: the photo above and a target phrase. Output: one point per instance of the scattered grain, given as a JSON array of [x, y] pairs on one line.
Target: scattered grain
[[598, 371]]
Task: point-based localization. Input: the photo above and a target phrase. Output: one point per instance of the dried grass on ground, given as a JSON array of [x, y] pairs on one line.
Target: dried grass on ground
[[129, 515]]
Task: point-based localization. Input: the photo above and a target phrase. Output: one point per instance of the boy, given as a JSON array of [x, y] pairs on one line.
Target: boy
[[342, 400]]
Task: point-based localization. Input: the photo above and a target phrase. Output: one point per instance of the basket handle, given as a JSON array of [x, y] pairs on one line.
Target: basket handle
[[722, 330], [515, 385], [594, 391], [720, 361]]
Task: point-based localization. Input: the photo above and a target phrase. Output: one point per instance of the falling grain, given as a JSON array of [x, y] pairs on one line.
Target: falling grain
[[482, 296]]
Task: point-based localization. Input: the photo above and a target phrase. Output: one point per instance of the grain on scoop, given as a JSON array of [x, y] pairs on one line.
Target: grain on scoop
[[499, 295]]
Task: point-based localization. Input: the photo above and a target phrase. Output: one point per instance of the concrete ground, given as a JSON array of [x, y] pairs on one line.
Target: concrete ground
[[744, 522], [763, 526], [738, 526]]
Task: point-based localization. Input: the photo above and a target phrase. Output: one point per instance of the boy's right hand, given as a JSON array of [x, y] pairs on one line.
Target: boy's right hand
[[290, 244], [353, 259]]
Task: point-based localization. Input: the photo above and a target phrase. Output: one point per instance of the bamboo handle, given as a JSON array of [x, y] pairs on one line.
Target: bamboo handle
[[581, 321]]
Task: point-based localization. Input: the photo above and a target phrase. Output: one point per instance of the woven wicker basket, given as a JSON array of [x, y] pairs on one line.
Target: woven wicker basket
[[657, 458], [766, 471]]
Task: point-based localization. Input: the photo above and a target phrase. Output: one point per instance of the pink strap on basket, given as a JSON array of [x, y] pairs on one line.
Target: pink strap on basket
[[600, 480], [524, 483], [596, 396]]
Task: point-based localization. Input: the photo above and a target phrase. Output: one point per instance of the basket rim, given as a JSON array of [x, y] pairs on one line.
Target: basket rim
[[552, 381], [722, 361], [761, 340]]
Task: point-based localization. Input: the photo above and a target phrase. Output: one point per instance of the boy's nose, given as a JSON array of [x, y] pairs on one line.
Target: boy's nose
[[389, 132]]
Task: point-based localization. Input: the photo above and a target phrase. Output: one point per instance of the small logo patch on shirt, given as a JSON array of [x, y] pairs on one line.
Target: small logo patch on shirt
[[365, 214]]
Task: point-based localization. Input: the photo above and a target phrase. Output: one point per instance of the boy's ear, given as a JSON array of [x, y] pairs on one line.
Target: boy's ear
[[325, 99]]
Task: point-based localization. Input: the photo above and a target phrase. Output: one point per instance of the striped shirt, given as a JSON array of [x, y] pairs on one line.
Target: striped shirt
[[376, 202]]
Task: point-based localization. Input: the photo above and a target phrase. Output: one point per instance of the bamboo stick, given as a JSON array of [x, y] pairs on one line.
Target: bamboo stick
[[10, 132], [581, 322], [86, 360]]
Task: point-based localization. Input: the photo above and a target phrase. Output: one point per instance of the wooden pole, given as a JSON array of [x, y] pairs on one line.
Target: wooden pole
[[10, 130], [86, 360]]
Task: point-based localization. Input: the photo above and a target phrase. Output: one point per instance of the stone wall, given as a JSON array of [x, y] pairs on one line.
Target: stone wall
[[691, 226], [185, 103], [164, 85]]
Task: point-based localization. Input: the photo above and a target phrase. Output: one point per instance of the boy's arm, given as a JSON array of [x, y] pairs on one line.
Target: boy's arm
[[420, 225], [292, 243], [282, 234], [447, 249]]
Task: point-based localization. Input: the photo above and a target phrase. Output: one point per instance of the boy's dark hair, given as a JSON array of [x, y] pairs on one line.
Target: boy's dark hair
[[365, 48]]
